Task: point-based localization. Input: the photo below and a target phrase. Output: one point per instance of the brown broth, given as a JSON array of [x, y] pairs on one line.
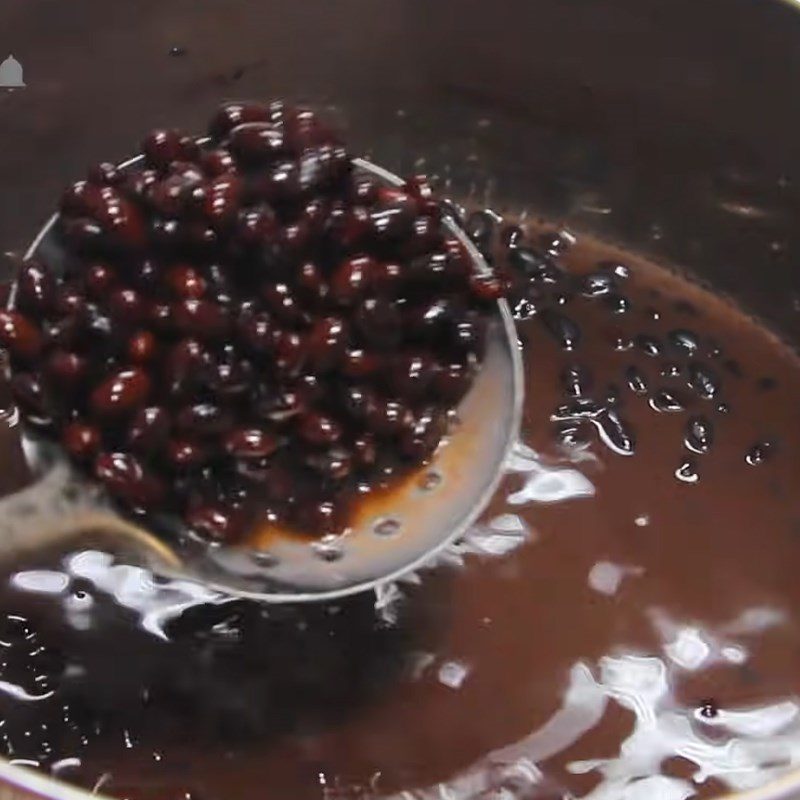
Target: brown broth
[[608, 630]]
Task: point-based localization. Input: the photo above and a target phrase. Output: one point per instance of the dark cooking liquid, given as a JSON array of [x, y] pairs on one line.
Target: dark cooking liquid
[[622, 623]]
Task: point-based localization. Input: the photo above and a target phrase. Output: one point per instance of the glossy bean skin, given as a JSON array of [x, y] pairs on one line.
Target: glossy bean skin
[[247, 322]]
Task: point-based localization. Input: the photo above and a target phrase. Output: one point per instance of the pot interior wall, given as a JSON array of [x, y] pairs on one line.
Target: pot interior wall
[[668, 126]]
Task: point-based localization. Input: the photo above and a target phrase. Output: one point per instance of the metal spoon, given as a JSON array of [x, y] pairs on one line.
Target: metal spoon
[[393, 533]]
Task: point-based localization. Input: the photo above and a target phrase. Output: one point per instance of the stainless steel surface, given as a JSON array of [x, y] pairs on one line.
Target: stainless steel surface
[[392, 534], [670, 127]]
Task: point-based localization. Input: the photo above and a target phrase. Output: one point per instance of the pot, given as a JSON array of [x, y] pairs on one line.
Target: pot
[[672, 128]]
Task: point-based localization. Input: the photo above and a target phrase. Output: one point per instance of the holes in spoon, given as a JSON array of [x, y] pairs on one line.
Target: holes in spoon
[[328, 551], [386, 526], [264, 558], [430, 481]]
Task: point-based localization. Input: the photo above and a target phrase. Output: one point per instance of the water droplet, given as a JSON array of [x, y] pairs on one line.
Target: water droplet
[[642, 521], [687, 471], [576, 380], [572, 435], [699, 435], [16, 629], [612, 394], [596, 284], [723, 408], [665, 402], [703, 380], [176, 51], [636, 380], [524, 309], [649, 345], [578, 409], [512, 236], [263, 558], [671, 370], [683, 340], [617, 270], [534, 264], [557, 243], [615, 433], [562, 328], [618, 303], [386, 527], [622, 343], [653, 313], [708, 709], [758, 453]]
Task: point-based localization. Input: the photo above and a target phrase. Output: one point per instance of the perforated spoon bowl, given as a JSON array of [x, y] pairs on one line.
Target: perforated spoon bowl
[[392, 533]]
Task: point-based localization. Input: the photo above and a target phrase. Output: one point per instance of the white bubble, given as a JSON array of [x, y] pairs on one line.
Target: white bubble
[[453, 674]]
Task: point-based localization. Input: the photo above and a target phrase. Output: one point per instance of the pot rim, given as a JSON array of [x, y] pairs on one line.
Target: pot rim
[[46, 787]]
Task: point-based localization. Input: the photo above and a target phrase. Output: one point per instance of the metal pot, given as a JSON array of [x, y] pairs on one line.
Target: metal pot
[[673, 128]]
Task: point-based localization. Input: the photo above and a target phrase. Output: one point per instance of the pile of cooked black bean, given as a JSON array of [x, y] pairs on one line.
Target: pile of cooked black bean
[[247, 328]]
